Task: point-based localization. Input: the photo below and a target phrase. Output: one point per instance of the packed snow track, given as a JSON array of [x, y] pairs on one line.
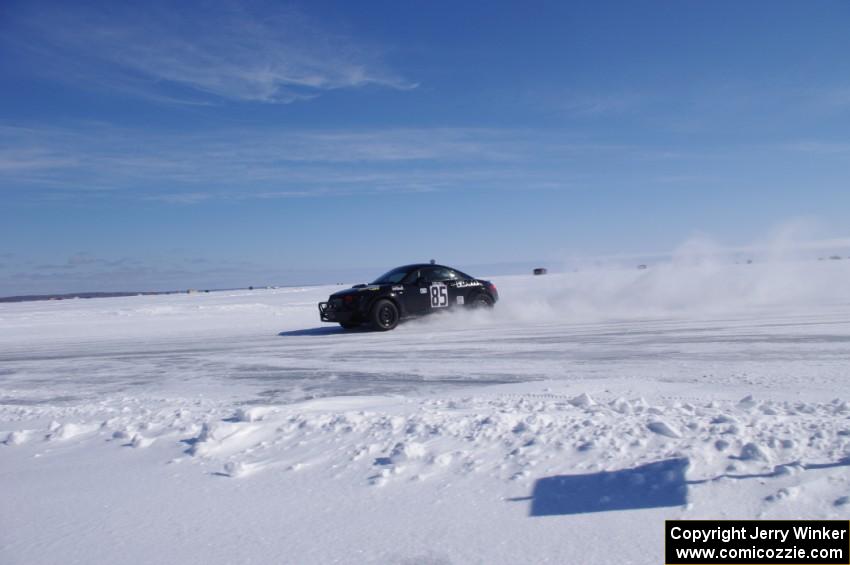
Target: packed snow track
[[564, 426]]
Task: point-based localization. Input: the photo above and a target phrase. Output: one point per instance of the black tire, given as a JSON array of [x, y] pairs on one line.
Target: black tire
[[348, 325], [384, 315], [481, 300]]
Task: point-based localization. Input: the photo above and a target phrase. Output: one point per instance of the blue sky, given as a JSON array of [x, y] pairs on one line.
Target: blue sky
[[163, 145]]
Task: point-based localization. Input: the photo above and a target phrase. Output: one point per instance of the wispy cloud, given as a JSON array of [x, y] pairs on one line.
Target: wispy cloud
[[181, 198], [174, 53], [84, 271], [832, 97], [187, 168], [827, 148], [103, 161], [85, 261], [600, 104]]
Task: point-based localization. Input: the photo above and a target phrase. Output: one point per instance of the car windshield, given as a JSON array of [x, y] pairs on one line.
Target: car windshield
[[392, 277]]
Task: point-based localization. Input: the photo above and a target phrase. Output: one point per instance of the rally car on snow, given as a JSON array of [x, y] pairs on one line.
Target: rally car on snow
[[406, 292]]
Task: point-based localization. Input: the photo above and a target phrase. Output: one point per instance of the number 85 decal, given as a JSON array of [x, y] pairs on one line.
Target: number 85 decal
[[439, 295]]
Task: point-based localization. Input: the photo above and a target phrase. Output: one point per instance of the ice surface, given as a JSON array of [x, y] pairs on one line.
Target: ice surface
[[234, 427]]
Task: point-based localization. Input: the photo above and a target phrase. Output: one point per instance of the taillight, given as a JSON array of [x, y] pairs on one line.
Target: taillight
[[348, 299]]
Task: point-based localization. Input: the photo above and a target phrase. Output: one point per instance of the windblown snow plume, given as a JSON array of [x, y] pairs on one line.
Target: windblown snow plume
[[701, 279]]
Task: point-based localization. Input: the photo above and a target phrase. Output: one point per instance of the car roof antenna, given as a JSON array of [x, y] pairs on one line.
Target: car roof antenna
[[432, 261]]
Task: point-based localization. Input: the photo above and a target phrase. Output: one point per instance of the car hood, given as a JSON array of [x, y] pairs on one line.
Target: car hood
[[357, 290]]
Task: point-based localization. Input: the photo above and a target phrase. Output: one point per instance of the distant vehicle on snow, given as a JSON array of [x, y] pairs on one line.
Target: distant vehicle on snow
[[406, 292], [540, 271]]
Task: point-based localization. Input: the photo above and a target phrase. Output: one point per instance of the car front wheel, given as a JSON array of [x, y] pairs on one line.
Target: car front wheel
[[384, 315]]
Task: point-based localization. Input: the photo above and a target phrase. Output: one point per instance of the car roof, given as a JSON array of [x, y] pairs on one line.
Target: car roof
[[421, 265]]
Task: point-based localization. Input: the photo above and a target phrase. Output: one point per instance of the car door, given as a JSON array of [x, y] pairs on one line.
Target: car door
[[461, 287], [415, 293], [437, 283]]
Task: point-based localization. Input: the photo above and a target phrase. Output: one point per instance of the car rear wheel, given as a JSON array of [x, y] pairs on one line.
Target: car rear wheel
[[481, 301], [384, 315]]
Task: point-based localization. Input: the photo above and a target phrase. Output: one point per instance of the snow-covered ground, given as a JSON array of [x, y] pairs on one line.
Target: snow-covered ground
[[563, 427]]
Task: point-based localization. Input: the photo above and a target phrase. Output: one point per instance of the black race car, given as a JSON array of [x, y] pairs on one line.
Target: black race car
[[405, 292]]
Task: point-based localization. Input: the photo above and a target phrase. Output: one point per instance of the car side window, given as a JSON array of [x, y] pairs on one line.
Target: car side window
[[411, 277], [437, 274]]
